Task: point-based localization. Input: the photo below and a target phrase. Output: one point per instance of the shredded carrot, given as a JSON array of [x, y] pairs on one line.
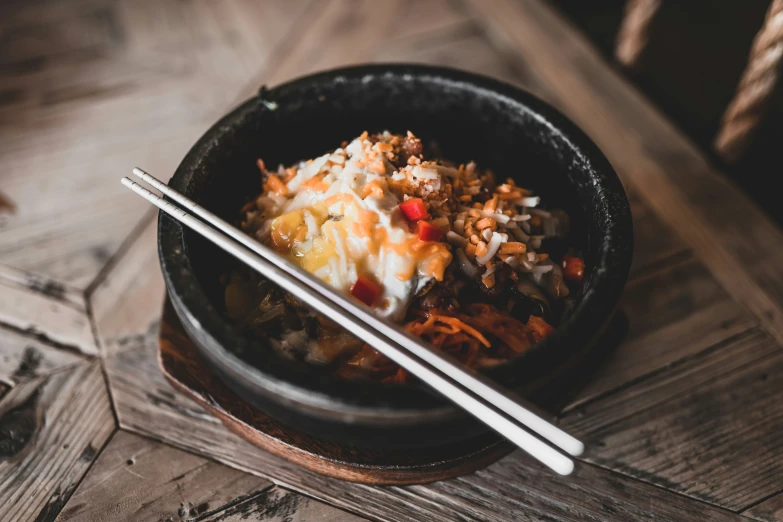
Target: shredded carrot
[[437, 325], [462, 326], [400, 376]]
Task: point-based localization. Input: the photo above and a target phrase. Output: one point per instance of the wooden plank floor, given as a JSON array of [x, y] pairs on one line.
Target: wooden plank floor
[[683, 420]]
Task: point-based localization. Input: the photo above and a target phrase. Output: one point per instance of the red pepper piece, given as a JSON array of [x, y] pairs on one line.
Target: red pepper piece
[[429, 232], [366, 290], [573, 268], [413, 209]]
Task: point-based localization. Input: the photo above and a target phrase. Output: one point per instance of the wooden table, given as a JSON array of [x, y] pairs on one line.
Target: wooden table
[[682, 422]]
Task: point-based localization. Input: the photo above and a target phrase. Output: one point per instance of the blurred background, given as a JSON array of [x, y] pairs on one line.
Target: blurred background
[[712, 66], [89, 88]]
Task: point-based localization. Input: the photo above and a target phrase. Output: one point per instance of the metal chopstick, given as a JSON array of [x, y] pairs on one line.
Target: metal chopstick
[[410, 353]]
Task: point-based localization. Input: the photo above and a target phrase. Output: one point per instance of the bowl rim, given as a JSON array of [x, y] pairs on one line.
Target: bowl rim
[[591, 311]]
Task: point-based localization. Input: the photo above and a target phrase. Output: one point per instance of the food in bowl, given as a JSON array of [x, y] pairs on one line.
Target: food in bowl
[[472, 265]]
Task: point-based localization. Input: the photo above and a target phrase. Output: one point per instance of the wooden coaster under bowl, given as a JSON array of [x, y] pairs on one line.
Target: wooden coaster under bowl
[[187, 371]]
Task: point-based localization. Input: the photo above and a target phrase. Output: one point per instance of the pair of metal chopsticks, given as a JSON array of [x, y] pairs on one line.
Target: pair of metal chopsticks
[[500, 410]]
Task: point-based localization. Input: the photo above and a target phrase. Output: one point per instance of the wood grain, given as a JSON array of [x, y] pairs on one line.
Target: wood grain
[[655, 243], [122, 302], [139, 479], [23, 358], [728, 431], [459, 45], [347, 32], [673, 313], [51, 429], [84, 84], [700, 370], [651, 156], [769, 510], [280, 505], [45, 315], [61, 292]]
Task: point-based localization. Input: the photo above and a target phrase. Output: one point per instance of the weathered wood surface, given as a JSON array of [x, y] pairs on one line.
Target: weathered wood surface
[[767, 510], [136, 274], [91, 90], [139, 479], [681, 420], [680, 377], [51, 429], [375, 26], [23, 358], [279, 505], [674, 312], [46, 314], [728, 431], [654, 242]]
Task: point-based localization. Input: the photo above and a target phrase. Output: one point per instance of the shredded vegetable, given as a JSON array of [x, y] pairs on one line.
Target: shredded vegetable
[[477, 267]]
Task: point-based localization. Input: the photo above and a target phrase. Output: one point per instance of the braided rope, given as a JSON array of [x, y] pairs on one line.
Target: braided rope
[[634, 31], [756, 89]]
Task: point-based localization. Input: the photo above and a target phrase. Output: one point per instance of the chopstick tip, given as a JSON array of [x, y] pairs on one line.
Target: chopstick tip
[[137, 171], [565, 469], [578, 449]]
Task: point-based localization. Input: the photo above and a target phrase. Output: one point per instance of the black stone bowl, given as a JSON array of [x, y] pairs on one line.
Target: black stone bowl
[[471, 118]]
